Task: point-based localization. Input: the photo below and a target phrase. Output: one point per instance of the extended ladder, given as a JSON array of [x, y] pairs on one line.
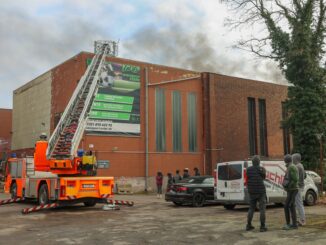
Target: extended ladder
[[69, 131]]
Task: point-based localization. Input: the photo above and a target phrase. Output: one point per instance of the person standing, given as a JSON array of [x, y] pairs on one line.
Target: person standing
[[170, 181], [257, 193], [197, 173], [159, 183], [290, 184], [296, 157], [177, 177], [186, 173]]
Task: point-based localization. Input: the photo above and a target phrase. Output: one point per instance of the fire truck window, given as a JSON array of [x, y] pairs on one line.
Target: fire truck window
[[13, 169], [19, 169]]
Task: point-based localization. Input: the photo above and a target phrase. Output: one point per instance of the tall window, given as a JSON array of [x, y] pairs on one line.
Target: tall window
[[286, 133], [176, 121], [192, 122], [160, 119], [263, 128], [252, 126]]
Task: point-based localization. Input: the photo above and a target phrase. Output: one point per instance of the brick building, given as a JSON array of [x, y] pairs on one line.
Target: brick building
[[187, 119], [5, 131]]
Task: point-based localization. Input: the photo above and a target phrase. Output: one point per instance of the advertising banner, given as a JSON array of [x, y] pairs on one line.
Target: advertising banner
[[116, 106]]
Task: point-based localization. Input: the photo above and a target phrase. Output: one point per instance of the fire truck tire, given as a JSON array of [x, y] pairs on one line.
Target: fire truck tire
[[43, 195], [90, 203], [13, 190]]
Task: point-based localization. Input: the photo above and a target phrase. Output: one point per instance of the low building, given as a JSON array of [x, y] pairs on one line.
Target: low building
[[177, 118]]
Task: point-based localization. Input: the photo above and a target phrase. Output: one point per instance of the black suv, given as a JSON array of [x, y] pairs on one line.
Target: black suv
[[194, 190]]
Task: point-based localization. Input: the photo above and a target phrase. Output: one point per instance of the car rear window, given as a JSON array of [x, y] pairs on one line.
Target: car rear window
[[230, 172]]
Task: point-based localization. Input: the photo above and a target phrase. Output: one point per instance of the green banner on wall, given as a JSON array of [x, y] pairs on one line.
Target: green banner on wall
[[116, 106], [111, 107]]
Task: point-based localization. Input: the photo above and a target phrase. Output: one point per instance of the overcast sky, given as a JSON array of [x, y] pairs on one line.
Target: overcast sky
[[36, 35]]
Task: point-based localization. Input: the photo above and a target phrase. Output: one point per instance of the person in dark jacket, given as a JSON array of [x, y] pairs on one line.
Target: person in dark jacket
[[290, 184], [196, 170], [170, 181], [257, 193], [177, 177], [186, 173]]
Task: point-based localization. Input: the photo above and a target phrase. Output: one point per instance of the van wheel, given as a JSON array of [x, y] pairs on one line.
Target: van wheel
[[13, 190], [198, 200], [310, 198], [43, 195], [90, 203], [229, 206]]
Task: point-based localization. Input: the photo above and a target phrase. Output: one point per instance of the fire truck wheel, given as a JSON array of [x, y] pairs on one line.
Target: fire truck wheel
[[90, 203], [43, 196], [13, 190]]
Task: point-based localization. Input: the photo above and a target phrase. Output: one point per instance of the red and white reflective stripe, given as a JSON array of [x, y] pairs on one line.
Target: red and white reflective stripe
[[38, 208], [7, 201], [105, 196], [110, 201], [71, 197]]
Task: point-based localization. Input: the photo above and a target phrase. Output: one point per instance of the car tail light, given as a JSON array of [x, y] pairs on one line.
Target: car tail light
[[182, 189], [215, 178], [245, 178], [62, 191]]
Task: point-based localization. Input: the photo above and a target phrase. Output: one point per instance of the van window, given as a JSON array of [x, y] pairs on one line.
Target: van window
[[230, 172]]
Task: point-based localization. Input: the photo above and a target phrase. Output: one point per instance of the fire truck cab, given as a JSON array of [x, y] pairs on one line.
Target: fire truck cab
[[22, 179]]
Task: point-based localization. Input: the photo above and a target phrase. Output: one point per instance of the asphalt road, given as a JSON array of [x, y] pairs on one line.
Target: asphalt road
[[153, 221]]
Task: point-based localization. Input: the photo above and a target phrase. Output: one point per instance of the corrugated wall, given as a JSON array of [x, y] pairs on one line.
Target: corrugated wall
[[31, 111]]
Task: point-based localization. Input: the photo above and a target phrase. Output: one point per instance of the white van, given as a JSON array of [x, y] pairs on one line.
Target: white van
[[231, 184]]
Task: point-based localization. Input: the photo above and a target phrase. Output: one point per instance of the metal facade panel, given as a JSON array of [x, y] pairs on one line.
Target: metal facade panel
[[32, 188], [52, 188], [31, 111]]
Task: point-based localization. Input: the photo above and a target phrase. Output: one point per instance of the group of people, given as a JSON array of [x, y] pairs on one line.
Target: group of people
[[293, 183], [172, 179]]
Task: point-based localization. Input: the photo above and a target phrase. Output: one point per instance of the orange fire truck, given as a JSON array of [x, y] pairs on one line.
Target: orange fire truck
[[58, 172]]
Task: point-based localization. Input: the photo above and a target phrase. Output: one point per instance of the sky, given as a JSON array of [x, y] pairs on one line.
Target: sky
[[37, 35]]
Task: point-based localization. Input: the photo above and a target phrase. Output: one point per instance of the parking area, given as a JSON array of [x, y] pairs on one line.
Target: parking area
[[153, 221]]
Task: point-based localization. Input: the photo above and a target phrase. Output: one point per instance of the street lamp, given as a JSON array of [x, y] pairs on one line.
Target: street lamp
[[321, 164]]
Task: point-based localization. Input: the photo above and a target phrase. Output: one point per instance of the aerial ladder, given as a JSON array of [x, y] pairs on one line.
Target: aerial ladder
[[56, 174]]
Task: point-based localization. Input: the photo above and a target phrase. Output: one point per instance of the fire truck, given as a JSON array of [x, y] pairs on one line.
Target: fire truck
[[58, 172]]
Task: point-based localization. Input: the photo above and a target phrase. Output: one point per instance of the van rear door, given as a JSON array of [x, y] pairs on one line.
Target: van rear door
[[230, 181]]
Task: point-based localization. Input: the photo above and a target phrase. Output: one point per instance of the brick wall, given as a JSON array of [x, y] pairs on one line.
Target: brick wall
[[127, 154], [227, 121], [5, 130]]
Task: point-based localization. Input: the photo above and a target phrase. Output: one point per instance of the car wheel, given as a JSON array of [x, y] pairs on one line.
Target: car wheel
[[13, 190], [229, 206], [177, 203], [90, 203], [43, 196], [198, 200], [310, 198]]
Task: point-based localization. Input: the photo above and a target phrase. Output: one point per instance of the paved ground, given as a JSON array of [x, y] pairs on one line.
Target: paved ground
[[153, 221]]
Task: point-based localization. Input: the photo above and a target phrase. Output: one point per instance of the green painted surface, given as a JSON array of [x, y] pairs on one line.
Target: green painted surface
[[102, 106], [114, 98], [109, 115]]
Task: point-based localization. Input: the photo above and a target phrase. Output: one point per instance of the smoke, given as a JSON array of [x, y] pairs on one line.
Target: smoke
[[175, 46]]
